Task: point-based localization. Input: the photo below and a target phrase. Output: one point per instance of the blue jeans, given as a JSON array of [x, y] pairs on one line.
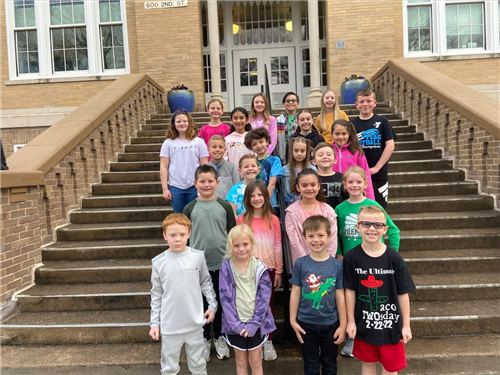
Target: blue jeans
[[181, 197], [316, 337]]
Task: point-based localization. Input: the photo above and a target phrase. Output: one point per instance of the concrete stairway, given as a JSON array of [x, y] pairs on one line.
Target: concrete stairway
[[94, 285]]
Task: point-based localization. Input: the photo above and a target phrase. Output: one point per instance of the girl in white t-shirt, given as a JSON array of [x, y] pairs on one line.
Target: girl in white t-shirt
[[235, 141], [180, 155]]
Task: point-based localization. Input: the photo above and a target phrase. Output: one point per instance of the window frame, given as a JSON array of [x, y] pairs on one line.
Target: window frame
[[438, 29], [45, 53]]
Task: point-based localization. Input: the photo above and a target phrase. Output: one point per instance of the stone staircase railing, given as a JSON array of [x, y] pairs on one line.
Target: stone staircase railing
[[49, 175], [464, 123]]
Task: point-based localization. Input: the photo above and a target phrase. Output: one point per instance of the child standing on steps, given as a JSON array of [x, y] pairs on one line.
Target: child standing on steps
[[312, 203], [245, 290], [317, 305], [287, 124], [349, 152], [235, 141], [227, 172], [355, 183], [376, 137], [306, 129], [260, 117], [215, 109], [180, 155], [378, 304], [297, 161], [177, 314], [330, 112], [212, 219], [249, 169], [267, 231]]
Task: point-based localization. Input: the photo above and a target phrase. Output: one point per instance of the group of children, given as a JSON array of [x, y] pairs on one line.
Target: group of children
[[334, 190]]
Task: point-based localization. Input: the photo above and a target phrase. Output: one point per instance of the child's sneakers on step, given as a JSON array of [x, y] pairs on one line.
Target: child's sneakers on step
[[348, 347], [221, 348], [206, 349], [268, 351]]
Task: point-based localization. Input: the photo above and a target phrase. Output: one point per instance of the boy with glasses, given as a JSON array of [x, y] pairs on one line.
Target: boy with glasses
[[287, 123], [377, 282]]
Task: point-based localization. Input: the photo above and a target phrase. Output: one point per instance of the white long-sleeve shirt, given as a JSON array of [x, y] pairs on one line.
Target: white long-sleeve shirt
[[179, 280]]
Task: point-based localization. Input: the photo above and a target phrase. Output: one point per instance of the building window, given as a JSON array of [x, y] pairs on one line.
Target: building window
[[304, 23], [464, 26], [306, 71], [439, 27], [208, 76], [204, 25], [26, 39], [76, 38], [262, 23]]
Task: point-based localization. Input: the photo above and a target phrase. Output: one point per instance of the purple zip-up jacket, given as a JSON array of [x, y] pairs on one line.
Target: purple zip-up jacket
[[262, 317]]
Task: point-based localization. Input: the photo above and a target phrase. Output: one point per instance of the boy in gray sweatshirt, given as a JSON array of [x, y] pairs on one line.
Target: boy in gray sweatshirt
[[227, 172], [179, 277]]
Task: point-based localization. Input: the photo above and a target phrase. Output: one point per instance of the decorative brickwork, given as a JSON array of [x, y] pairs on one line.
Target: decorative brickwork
[[49, 175], [464, 123]]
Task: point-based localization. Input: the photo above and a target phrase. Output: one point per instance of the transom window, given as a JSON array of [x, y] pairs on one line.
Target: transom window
[[76, 38], [440, 27]]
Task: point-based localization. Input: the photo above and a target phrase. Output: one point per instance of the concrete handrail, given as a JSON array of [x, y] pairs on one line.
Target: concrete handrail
[[28, 166], [480, 109]]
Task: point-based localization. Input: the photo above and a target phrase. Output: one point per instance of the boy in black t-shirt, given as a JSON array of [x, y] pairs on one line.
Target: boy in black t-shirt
[[377, 283], [376, 137], [331, 182]]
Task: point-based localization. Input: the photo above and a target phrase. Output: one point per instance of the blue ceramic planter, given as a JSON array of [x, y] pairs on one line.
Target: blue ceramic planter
[[180, 99], [349, 89]]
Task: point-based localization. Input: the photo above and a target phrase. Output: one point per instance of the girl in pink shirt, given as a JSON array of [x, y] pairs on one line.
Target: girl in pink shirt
[[260, 117], [215, 109], [267, 232], [312, 203], [348, 152]]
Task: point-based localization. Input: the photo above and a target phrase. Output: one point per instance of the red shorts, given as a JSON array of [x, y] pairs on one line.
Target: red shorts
[[392, 357]]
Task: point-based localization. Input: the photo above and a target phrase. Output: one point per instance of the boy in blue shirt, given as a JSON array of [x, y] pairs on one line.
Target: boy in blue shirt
[[317, 304], [270, 166]]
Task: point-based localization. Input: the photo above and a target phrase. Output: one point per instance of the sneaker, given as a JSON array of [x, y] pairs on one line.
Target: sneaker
[[268, 352], [221, 348], [348, 347], [206, 349]]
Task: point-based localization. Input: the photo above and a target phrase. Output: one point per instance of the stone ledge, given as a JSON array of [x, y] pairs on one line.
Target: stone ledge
[[481, 110], [20, 178]]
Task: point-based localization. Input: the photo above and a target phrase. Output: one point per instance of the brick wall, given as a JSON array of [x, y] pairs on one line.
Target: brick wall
[[31, 213], [470, 71], [11, 137], [170, 54], [473, 147], [376, 38]]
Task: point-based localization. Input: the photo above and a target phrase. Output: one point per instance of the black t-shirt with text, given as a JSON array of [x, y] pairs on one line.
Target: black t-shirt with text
[[333, 190], [372, 135], [377, 282]]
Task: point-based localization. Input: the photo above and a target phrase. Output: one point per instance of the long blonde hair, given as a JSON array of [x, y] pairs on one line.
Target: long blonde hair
[[291, 161], [266, 114], [336, 112], [236, 232]]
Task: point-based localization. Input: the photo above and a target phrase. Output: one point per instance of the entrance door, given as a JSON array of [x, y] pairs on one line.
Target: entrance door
[[249, 74]]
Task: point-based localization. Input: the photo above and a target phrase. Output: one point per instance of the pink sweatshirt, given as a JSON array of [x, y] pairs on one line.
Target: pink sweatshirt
[[295, 217], [272, 129], [207, 131], [268, 241], [345, 159]]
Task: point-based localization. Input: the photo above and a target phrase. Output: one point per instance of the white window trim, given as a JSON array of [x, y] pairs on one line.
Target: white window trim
[[42, 22], [438, 29]]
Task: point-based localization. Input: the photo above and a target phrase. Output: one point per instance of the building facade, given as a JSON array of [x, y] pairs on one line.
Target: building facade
[[56, 54]]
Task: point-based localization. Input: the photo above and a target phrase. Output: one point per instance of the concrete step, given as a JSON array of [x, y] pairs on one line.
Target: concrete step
[[111, 231], [403, 128], [148, 140], [456, 286], [425, 356], [138, 156], [451, 175], [420, 165], [404, 137], [435, 239], [130, 176], [455, 220], [94, 271], [412, 145], [135, 166], [117, 215], [411, 205], [124, 201], [434, 188], [416, 155], [105, 249], [155, 147], [127, 188]]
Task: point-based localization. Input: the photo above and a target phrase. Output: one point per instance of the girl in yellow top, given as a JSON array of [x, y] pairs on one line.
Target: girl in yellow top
[[330, 112]]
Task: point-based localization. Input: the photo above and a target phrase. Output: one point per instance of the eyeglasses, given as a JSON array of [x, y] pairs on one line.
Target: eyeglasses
[[368, 224], [290, 101]]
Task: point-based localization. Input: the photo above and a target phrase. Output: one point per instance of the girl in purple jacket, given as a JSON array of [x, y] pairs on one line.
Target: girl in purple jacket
[[349, 152], [245, 291]]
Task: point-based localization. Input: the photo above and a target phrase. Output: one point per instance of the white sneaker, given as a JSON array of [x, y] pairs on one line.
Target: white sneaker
[[221, 348], [348, 347], [268, 352], [206, 349]]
